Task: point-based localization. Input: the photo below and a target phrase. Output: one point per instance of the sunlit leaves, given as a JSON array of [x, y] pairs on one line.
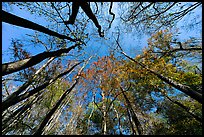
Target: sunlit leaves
[[97, 99]]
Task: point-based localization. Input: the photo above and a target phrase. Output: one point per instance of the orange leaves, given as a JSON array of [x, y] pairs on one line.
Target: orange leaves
[[95, 63], [89, 74], [145, 52], [83, 75], [99, 71], [104, 73]]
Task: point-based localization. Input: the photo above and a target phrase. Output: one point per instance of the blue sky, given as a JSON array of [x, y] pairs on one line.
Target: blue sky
[[98, 46], [132, 46], [10, 32]]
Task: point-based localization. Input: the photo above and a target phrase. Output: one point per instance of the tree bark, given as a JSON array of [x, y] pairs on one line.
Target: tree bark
[[11, 67], [185, 108], [13, 118], [18, 21], [118, 117], [7, 103], [134, 117], [86, 8], [104, 114], [52, 111], [27, 84], [183, 88], [130, 119]]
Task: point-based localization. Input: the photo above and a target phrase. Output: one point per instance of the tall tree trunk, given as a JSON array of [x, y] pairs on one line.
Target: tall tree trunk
[[27, 84], [185, 108], [13, 118], [18, 21], [131, 123], [118, 117], [7, 103], [89, 118], [185, 89], [134, 116], [52, 111], [11, 67], [104, 114]]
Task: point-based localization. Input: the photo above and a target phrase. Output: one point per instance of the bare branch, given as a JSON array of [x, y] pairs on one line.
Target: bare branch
[[111, 14]]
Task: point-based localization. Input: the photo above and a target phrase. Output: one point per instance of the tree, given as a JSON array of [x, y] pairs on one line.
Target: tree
[[182, 124], [153, 16], [66, 88], [185, 89]]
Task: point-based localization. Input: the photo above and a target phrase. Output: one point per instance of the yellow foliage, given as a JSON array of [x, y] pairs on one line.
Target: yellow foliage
[[138, 56], [145, 52]]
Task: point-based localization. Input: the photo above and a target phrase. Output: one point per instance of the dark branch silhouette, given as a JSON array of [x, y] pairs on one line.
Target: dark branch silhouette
[[18, 21], [11, 67], [52, 111], [40, 130], [86, 8], [134, 117], [185, 108], [12, 118], [184, 88], [111, 5], [27, 83], [9, 102]]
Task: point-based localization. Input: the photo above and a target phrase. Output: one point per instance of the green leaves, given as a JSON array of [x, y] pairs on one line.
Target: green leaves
[[113, 91]]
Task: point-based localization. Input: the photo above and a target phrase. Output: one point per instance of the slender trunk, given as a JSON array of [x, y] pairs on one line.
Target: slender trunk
[[27, 84], [10, 120], [13, 118], [52, 111], [130, 119], [59, 102], [104, 114], [55, 117], [7, 103], [89, 119], [134, 116], [185, 108], [118, 117], [53, 121], [18, 21], [11, 67], [185, 89]]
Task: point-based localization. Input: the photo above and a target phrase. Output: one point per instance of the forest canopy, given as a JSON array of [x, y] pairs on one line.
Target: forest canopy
[[101, 68]]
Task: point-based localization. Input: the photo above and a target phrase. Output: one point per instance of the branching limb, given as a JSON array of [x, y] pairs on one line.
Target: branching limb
[[184, 88], [27, 84], [59, 102], [111, 5], [60, 17], [6, 104]]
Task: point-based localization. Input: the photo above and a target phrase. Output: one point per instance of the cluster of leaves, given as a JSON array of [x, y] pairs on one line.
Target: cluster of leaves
[[113, 96], [147, 92]]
